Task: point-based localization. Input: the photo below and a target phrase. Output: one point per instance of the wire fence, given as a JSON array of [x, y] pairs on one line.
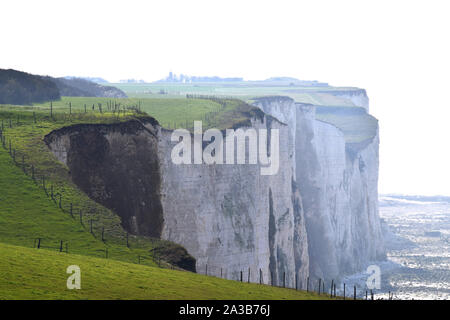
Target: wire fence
[[108, 253], [287, 280]]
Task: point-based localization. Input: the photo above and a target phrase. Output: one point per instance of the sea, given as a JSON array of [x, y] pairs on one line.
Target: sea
[[417, 238]]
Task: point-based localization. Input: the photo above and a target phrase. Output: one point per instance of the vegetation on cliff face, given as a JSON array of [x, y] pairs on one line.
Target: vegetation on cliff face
[[356, 125]]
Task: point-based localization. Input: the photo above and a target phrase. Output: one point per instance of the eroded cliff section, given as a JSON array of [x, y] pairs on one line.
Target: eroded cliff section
[[231, 218], [116, 165], [338, 183]]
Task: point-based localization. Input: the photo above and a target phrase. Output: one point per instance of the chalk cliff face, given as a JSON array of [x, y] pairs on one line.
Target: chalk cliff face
[[338, 183], [230, 218]]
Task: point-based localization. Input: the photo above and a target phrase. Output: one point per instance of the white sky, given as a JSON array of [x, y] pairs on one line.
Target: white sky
[[398, 50]]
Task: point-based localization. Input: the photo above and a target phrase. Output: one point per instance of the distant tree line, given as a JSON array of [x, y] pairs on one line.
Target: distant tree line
[[23, 88], [78, 87]]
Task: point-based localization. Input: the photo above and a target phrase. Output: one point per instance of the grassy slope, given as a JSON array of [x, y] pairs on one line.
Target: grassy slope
[[38, 274], [26, 213]]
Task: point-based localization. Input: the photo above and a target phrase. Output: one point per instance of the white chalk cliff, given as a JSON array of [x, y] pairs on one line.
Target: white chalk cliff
[[317, 217], [338, 183]]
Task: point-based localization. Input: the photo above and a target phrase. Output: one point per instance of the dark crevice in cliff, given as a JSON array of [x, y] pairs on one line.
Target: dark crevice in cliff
[[120, 172], [298, 210], [272, 231]]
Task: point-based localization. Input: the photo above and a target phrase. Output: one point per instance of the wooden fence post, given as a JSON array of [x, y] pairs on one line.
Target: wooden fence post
[[61, 246], [331, 289], [354, 292], [320, 285], [344, 290]]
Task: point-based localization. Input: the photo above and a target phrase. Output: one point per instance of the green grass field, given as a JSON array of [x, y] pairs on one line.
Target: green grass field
[[27, 273], [241, 90], [168, 111]]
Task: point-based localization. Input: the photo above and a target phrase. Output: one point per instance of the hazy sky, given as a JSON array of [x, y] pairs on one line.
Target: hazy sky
[[398, 50]]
